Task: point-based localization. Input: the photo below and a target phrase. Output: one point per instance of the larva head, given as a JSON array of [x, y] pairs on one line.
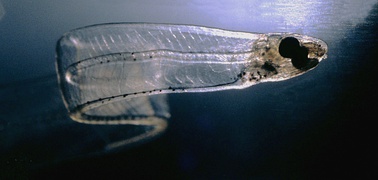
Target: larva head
[[283, 56]]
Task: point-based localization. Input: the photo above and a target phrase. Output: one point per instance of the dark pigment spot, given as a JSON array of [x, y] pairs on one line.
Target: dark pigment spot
[[268, 66]]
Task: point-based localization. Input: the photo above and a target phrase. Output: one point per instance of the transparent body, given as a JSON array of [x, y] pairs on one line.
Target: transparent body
[[120, 73]]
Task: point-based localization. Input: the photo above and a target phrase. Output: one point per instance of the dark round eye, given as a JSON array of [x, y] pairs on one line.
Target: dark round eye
[[290, 48]]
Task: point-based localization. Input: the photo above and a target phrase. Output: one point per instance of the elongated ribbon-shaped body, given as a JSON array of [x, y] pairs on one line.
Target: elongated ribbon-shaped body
[[110, 73]]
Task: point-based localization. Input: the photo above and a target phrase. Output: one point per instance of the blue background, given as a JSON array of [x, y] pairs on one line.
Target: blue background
[[317, 125]]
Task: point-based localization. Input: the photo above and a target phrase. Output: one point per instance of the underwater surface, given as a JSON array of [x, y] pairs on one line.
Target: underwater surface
[[315, 125]]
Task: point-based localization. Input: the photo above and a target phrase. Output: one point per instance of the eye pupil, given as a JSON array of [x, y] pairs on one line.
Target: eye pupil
[[288, 47]]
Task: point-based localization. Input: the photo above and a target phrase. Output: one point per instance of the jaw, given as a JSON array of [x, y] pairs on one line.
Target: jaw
[[316, 49]]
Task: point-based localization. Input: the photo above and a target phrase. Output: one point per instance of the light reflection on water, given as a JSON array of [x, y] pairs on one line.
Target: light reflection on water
[[2, 11], [300, 16]]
